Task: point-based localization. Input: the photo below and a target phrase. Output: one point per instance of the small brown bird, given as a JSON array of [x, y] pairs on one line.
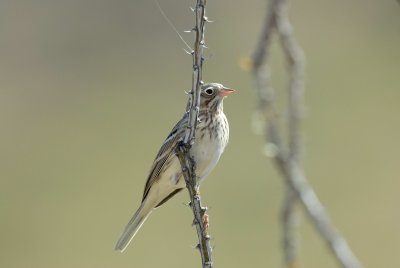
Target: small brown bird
[[165, 178]]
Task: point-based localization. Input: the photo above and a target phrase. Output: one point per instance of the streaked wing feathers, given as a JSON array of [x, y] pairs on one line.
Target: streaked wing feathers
[[165, 153]]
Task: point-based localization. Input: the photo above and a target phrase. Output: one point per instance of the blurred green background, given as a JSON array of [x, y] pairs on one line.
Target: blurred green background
[[90, 89]]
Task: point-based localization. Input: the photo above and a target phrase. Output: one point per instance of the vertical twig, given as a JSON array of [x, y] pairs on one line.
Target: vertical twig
[[289, 161], [295, 59], [266, 100], [187, 163]]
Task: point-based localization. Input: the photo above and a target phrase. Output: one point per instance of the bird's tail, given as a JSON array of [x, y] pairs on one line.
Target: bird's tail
[[134, 225]]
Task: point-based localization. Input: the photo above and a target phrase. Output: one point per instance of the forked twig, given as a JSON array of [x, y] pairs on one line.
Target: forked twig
[[288, 160]]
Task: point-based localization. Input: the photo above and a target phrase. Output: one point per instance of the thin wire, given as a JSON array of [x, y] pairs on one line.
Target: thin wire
[[172, 25]]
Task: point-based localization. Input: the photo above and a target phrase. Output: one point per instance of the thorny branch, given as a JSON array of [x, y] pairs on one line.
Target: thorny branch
[[288, 160], [187, 163]]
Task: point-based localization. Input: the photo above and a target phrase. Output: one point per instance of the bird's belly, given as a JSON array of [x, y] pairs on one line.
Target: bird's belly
[[206, 155]]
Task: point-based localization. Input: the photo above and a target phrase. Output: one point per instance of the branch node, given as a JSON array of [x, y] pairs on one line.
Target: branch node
[[271, 150]]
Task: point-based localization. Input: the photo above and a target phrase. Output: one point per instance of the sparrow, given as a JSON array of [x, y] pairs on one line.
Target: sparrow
[[165, 178]]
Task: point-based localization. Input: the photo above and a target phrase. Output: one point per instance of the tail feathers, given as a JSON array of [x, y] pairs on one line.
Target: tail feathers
[[133, 226]]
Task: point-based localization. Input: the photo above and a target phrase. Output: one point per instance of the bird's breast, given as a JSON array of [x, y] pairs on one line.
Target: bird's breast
[[210, 142]]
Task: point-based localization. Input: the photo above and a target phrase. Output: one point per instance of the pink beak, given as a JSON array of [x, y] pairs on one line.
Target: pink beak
[[226, 92]]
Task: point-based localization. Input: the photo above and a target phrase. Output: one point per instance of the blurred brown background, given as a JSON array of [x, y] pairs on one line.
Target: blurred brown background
[[89, 90]]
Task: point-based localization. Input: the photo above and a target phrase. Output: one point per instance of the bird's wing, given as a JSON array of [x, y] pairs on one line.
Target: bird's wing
[[166, 152]]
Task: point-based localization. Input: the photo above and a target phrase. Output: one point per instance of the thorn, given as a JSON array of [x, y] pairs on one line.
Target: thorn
[[192, 9], [186, 204], [207, 20], [187, 52], [191, 30], [204, 46], [197, 247], [201, 82], [186, 92], [206, 224]]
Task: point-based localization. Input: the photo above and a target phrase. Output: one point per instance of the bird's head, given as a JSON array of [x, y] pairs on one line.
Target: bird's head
[[212, 95]]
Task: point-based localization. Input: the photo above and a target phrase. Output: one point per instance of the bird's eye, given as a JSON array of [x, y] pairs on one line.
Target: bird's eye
[[209, 91]]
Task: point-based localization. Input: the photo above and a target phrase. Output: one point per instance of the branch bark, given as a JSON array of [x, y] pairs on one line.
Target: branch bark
[[295, 59], [187, 163], [288, 160]]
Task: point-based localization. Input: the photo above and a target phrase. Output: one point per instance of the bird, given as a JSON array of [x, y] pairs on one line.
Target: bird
[[165, 178]]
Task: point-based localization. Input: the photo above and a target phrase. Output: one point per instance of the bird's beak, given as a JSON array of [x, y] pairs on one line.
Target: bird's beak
[[226, 92]]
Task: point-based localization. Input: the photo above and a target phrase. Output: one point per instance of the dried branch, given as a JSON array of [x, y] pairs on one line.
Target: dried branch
[[295, 59], [187, 163], [289, 161]]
